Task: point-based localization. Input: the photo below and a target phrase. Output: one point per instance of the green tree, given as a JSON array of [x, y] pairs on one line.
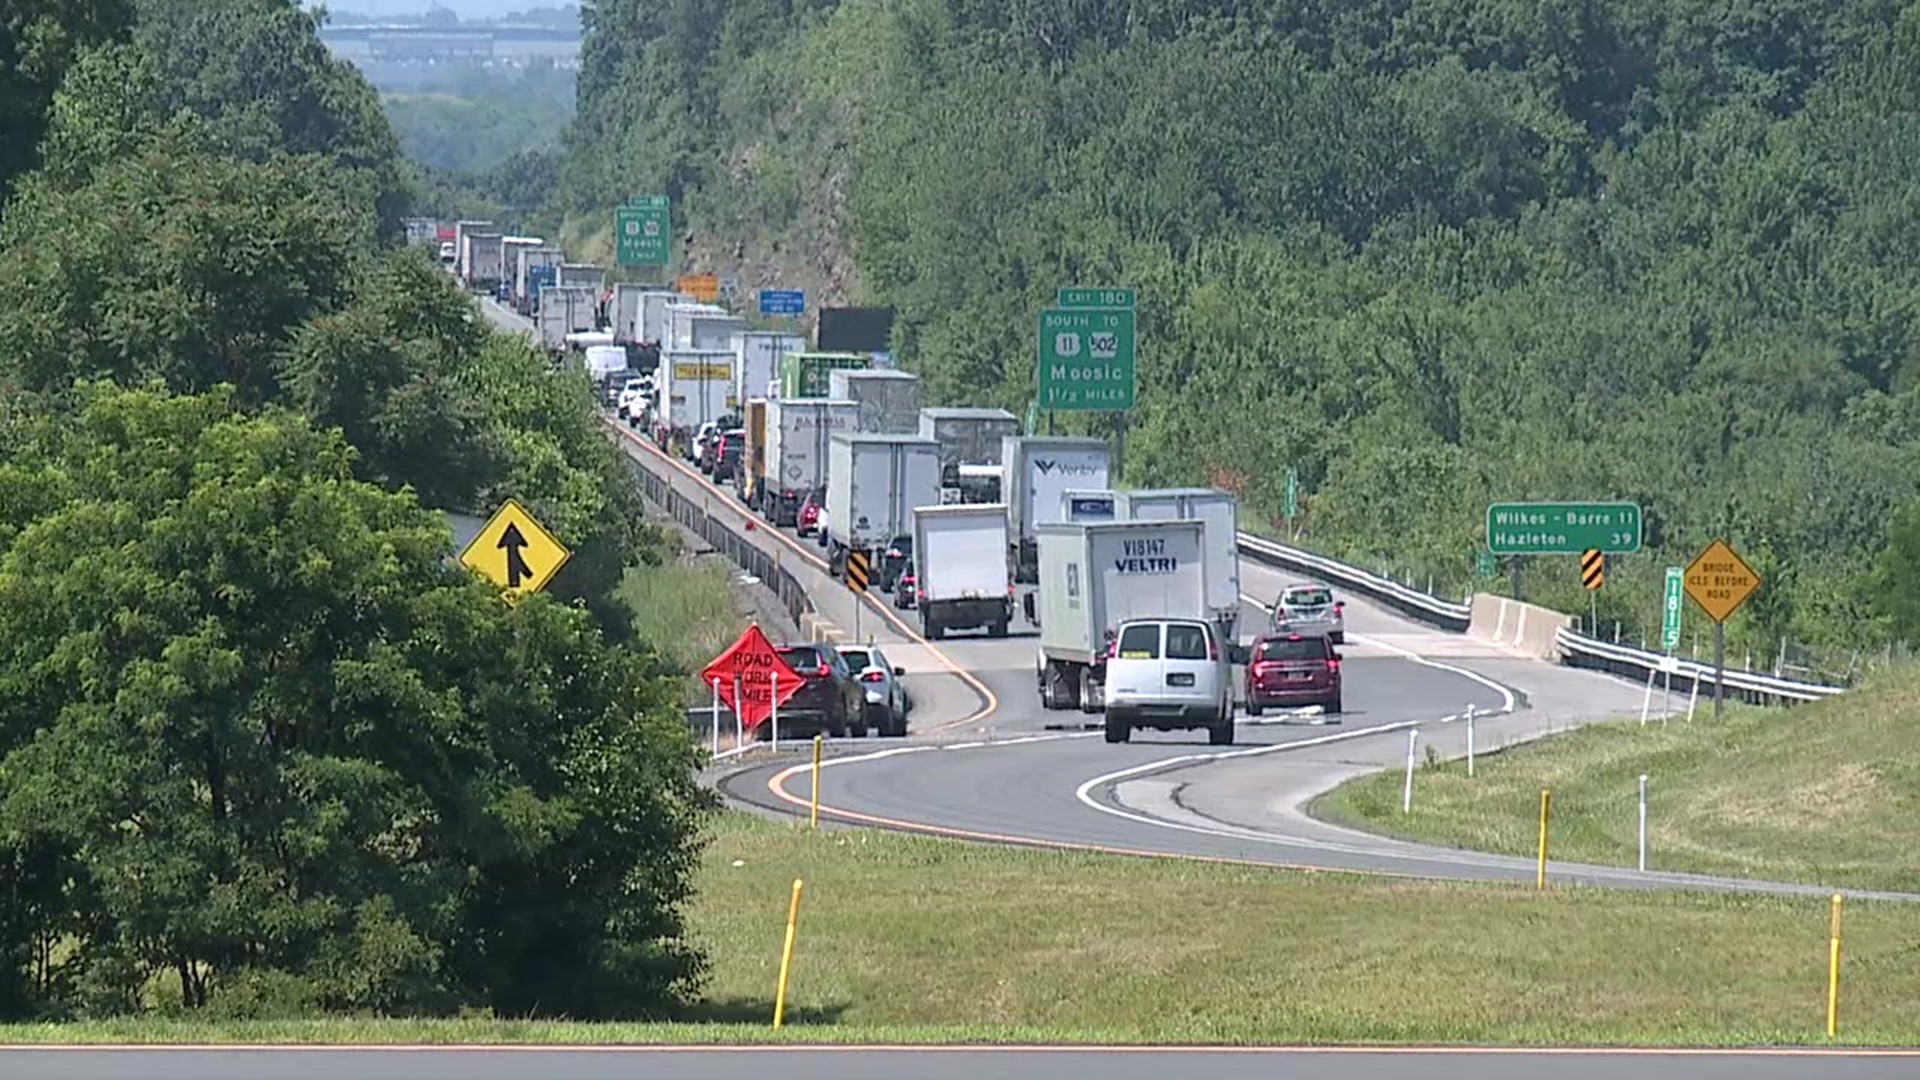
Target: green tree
[[259, 735], [39, 41]]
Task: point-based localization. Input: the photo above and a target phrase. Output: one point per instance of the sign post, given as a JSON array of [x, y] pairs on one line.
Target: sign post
[[1593, 574], [1719, 580], [642, 231]]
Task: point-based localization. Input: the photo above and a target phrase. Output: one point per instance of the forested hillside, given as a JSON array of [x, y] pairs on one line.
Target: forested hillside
[[1430, 253]]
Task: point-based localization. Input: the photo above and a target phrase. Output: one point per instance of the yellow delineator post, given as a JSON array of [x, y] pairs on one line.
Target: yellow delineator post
[[813, 815], [1833, 972], [1546, 803], [786, 959]]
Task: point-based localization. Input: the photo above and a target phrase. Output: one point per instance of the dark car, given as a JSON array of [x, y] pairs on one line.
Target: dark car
[[893, 560], [905, 593], [1292, 670], [726, 454], [831, 700]]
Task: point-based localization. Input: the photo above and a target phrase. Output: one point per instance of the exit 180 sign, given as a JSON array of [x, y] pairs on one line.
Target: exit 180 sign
[[1087, 359]]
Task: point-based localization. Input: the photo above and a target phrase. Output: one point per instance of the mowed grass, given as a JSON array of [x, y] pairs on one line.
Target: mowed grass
[[688, 610], [916, 939], [1826, 794]]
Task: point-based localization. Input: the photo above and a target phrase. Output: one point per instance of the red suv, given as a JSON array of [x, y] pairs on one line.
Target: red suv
[[1293, 669], [807, 521]]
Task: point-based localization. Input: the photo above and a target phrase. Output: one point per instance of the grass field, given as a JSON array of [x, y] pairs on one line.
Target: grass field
[[915, 939], [1827, 794], [688, 610]]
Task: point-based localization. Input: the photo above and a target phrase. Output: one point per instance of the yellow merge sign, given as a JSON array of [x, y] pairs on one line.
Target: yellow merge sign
[[517, 552], [1720, 581]]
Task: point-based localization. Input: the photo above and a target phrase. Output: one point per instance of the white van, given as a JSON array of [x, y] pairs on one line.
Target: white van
[[1169, 674]]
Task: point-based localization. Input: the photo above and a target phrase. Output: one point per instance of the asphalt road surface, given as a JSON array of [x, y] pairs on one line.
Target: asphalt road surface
[[881, 1063]]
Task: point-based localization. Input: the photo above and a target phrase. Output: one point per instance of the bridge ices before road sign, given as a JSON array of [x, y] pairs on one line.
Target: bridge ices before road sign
[[1719, 580]]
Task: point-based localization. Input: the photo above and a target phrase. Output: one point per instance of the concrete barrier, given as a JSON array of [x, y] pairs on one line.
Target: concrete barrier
[[817, 628], [1527, 629]]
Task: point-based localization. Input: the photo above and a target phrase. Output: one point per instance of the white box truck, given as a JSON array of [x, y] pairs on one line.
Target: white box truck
[[624, 312], [889, 400], [565, 311], [1220, 510], [653, 316], [485, 252], [874, 483], [591, 275], [799, 442], [961, 581], [693, 390], [1037, 472], [461, 230], [701, 326], [756, 358], [1094, 577], [968, 436], [527, 264]]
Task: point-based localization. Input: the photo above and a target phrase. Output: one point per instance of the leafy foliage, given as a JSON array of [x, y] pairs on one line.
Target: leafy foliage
[[257, 733], [39, 41], [1429, 254]]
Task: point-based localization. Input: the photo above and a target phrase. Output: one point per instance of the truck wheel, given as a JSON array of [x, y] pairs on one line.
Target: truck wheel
[[1118, 731], [1221, 733], [933, 630], [998, 629], [1087, 694]]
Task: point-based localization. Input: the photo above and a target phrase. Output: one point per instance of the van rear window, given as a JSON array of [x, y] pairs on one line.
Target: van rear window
[[1140, 642], [1186, 641]]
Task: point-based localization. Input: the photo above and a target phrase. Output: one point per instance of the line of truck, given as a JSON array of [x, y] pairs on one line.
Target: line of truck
[[967, 520]]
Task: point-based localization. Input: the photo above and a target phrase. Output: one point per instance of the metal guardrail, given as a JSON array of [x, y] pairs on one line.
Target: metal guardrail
[[1576, 650], [1408, 601], [697, 518]]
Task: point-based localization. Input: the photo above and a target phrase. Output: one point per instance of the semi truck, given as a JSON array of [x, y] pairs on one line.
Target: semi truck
[[960, 578], [693, 390], [756, 357], [1220, 511], [586, 274], [652, 329], [485, 252], [889, 400], [968, 436], [461, 229], [1095, 576], [565, 310], [747, 479], [874, 484], [799, 444], [805, 375], [703, 327], [1037, 472], [624, 312], [530, 273]]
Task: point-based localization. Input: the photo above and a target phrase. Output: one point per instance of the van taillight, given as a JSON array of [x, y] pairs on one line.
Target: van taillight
[[825, 671], [1213, 647], [1333, 665]]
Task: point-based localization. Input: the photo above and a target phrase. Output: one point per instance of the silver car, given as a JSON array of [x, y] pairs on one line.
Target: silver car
[[1310, 609], [887, 699]]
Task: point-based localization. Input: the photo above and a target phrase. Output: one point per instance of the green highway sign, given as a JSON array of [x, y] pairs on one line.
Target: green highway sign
[[1555, 528], [642, 228], [1483, 564], [1670, 625], [1086, 360], [1293, 493], [1083, 297]]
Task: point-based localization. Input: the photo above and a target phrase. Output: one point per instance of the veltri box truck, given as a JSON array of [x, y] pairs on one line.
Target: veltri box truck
[[1095, 576], [960, 559], [874, 483], [1220, 510]]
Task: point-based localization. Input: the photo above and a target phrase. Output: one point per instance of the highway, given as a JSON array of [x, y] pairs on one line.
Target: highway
[[988, 763], [938, 1063]]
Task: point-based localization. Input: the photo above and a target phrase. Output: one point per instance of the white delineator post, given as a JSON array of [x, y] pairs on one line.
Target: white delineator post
[[1693, 698], [716, 717], [1646, 701], [773, 683], [1406, 794], [739, 730], [1469, 738], [1643, 823]]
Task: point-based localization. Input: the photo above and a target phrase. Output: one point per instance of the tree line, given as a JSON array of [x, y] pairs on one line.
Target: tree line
[[1429, 255], [265, 748]]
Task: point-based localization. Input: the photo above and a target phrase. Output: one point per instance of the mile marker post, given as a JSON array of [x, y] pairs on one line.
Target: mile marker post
[[1643, 823], [1406, 795], [1469, 738]]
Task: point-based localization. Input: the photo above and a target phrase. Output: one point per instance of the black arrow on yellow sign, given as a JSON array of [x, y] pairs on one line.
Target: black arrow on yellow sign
[[512, 542]]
